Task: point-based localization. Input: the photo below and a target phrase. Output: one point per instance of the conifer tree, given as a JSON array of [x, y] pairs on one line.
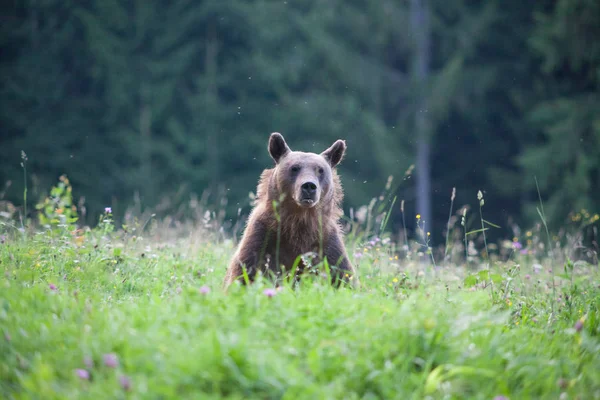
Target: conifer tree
[[563, 153]]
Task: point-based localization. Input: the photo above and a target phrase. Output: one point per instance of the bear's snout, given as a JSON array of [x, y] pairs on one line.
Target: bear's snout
[[309, 193]]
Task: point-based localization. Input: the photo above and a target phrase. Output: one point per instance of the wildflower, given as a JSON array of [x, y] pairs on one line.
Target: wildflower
[[88, 362], [108, 210], [52, 286], [418, 216], [562, 383], [83, 374], [527, 276], [204, 290], [523, 251], [501, 398], [395, 280], [358, 255], [125, 382], [579, 325], [111, 360], [517, 245], [270, 292]]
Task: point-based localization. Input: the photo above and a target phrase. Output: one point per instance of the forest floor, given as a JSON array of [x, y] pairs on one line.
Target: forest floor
[[103, 314]]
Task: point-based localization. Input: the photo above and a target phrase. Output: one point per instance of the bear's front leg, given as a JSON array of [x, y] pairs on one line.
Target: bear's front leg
[[250, 254], [340, 268]]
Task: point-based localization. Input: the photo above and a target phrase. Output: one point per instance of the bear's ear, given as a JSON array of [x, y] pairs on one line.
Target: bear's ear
[[335, 153], [277, 146]]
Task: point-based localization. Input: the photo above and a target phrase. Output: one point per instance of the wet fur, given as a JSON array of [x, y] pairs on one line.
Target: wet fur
[[302, 230]]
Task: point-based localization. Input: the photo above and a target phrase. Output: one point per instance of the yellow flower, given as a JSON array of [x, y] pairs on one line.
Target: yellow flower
[[395, 280], [418, 216], [429, 324]]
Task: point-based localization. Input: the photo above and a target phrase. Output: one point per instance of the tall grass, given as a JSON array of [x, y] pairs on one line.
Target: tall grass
[[139, 311]]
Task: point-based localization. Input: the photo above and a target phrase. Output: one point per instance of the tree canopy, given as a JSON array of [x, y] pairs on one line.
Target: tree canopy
[[158, 100]]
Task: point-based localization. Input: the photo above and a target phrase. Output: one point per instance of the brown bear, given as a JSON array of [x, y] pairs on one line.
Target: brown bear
[[297, 211]]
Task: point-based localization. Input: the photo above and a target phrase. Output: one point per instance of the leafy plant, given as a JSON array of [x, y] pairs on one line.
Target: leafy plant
[[57, 211]]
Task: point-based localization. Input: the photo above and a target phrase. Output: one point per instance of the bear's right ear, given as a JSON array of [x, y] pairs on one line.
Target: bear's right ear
[[277, 146]]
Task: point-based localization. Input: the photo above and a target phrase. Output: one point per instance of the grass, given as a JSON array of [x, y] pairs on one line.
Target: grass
[[103, 314]]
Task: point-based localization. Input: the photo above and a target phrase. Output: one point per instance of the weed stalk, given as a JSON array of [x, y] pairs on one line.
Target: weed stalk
[[448, 224], [487, 254], [542, 215], [24, 166]]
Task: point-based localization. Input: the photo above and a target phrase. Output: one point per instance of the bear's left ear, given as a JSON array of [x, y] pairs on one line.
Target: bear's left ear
[[335, 153]]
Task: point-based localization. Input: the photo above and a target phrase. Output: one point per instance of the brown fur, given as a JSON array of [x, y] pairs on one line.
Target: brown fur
[[302, 228]]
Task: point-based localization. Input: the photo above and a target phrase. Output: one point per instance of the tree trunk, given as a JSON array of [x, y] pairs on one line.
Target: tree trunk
[[146, 150], [212, 143], [419, 12]]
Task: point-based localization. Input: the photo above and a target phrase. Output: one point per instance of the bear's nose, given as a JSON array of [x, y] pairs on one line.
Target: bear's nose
[[309, 189]]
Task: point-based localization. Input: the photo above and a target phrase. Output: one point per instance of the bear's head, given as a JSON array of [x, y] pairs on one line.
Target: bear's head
[[306, 178]]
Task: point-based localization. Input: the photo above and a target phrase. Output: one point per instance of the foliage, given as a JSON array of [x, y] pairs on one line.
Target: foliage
[[57, 211], [566, 120], [158, 103], [117, 314]]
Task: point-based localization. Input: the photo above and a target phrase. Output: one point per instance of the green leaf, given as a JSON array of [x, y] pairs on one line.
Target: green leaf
[[470, 281], [483, 275], [489, 223], [476, 231], [433, 380], [496, 278]]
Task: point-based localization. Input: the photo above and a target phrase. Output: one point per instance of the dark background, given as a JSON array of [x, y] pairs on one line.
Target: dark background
[[157, 100]]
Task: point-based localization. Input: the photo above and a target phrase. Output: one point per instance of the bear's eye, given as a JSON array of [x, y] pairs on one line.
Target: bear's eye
[[295, 169], [321, 171]]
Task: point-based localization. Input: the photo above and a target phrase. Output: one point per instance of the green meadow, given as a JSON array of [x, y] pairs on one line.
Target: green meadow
[[138, 311]]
